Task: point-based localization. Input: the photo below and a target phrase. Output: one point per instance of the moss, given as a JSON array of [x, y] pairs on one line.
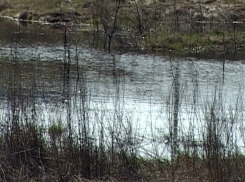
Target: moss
[[55, 131]]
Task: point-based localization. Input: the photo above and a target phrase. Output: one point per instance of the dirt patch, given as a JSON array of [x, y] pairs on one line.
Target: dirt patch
[[54, 17]]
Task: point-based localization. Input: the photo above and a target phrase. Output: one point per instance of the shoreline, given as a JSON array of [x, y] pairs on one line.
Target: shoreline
[[197, 28]]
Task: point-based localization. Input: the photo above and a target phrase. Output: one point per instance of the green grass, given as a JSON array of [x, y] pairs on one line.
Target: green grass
[[188, 42], [157, 35]]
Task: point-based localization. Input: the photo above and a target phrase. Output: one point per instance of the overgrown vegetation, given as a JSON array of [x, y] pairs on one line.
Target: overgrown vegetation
[[187, 27], [100, 144], [111, 149], [30, 152]]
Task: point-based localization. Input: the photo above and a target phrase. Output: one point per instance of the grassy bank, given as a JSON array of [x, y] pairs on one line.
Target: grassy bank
[[183, 27], [11, 8]]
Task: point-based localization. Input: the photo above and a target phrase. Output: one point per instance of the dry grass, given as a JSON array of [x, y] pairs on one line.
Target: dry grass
[[27, 155], [30, 152]]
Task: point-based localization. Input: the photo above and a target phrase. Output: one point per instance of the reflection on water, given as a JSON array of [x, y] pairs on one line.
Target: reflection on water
[[46, 78]]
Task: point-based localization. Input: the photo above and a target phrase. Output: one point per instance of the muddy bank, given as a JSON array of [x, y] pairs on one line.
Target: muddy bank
[[50, 17]]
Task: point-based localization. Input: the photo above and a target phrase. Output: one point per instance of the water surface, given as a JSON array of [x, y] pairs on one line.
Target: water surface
[[47, 77]]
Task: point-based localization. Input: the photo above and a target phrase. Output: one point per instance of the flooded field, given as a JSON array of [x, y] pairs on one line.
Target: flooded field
[[143, 102]]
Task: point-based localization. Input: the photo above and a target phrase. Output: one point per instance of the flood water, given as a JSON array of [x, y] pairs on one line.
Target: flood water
[[48, 78]]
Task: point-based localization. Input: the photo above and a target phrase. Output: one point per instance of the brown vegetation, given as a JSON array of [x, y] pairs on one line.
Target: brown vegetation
[[27, 155], [32, 152], [185, 26]]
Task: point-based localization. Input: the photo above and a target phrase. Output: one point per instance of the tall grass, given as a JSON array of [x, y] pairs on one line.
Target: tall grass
[[99, 143]]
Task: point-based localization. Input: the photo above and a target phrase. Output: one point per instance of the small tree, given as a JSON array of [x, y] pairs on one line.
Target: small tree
[[108, 12]]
